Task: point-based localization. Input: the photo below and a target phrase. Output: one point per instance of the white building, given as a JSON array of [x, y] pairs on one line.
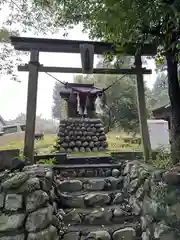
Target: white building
[[2, 122]]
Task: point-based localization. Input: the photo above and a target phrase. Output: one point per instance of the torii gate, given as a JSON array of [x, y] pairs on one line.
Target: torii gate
[[37, 45]]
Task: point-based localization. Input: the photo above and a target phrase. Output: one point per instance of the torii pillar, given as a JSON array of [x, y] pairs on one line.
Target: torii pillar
[[141, 102], [31, 106]]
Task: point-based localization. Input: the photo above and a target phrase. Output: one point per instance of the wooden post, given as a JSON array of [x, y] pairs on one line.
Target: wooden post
[[31, 106], [142, 109]]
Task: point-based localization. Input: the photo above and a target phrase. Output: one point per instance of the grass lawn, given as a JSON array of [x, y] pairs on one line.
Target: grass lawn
[[44, 146], [115, 142]]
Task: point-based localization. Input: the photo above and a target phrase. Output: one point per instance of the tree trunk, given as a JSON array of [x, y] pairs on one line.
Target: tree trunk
[[174, 95]]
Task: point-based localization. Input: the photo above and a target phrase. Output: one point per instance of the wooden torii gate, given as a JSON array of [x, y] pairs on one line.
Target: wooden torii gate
[[37, 45]]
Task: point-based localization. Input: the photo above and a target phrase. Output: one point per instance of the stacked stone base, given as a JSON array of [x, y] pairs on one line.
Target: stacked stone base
[[81, 135]]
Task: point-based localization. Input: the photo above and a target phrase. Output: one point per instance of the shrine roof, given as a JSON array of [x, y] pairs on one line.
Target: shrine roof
[[161, 108], [79, 87]]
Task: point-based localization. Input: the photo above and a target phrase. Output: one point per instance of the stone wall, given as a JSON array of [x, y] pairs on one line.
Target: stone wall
[[155, 196], [130, 201], [26, 206], [81, 134]]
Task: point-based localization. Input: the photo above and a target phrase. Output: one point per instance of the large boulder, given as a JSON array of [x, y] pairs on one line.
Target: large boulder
[[124, 234], [99, 235], [72, 217], [39, 219], [119, 198], [11, 222], [97, 199], [70, 186], [15, 237], [13, 202], [99, 216], [15, 181], [48, 233], [71, 235], [35, 200], [94, 184], [29, 186], [71, 201]]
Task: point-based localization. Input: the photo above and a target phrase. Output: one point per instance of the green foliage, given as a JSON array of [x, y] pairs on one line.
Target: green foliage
[[17, 18], [21, 156], [26, 16], [4, 35], [119, 21], [158, 96], [50, 161], [166, 200], [163, 159]]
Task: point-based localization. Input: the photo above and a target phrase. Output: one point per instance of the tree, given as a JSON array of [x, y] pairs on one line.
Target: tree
[[134, 21], [159, 93], [17, 17], [59, 106], [121, 96]]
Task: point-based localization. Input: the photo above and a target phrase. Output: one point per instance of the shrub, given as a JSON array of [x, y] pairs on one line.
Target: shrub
[[163, 159]]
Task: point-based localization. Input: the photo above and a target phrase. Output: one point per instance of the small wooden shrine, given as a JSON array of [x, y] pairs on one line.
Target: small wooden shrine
[[81, 99], [82, 130]]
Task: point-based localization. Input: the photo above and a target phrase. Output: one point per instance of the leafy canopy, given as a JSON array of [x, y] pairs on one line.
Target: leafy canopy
[[120, 21], [159, 93], [19, 17]]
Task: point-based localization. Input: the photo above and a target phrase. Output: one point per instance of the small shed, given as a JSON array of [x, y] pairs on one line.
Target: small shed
[[164, 113]]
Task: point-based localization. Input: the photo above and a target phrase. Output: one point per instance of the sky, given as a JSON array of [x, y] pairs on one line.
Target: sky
[[13, 95]]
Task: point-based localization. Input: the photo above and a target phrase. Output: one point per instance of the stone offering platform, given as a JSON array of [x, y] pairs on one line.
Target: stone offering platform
[[81, 135]]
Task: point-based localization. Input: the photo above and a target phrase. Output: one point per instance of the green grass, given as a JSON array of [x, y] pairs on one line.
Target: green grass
[[46, 146], [118, 144], [13, 145], [115, 141]]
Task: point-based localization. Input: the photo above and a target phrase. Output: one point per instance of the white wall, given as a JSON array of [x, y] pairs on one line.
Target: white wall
[[159, 134]]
